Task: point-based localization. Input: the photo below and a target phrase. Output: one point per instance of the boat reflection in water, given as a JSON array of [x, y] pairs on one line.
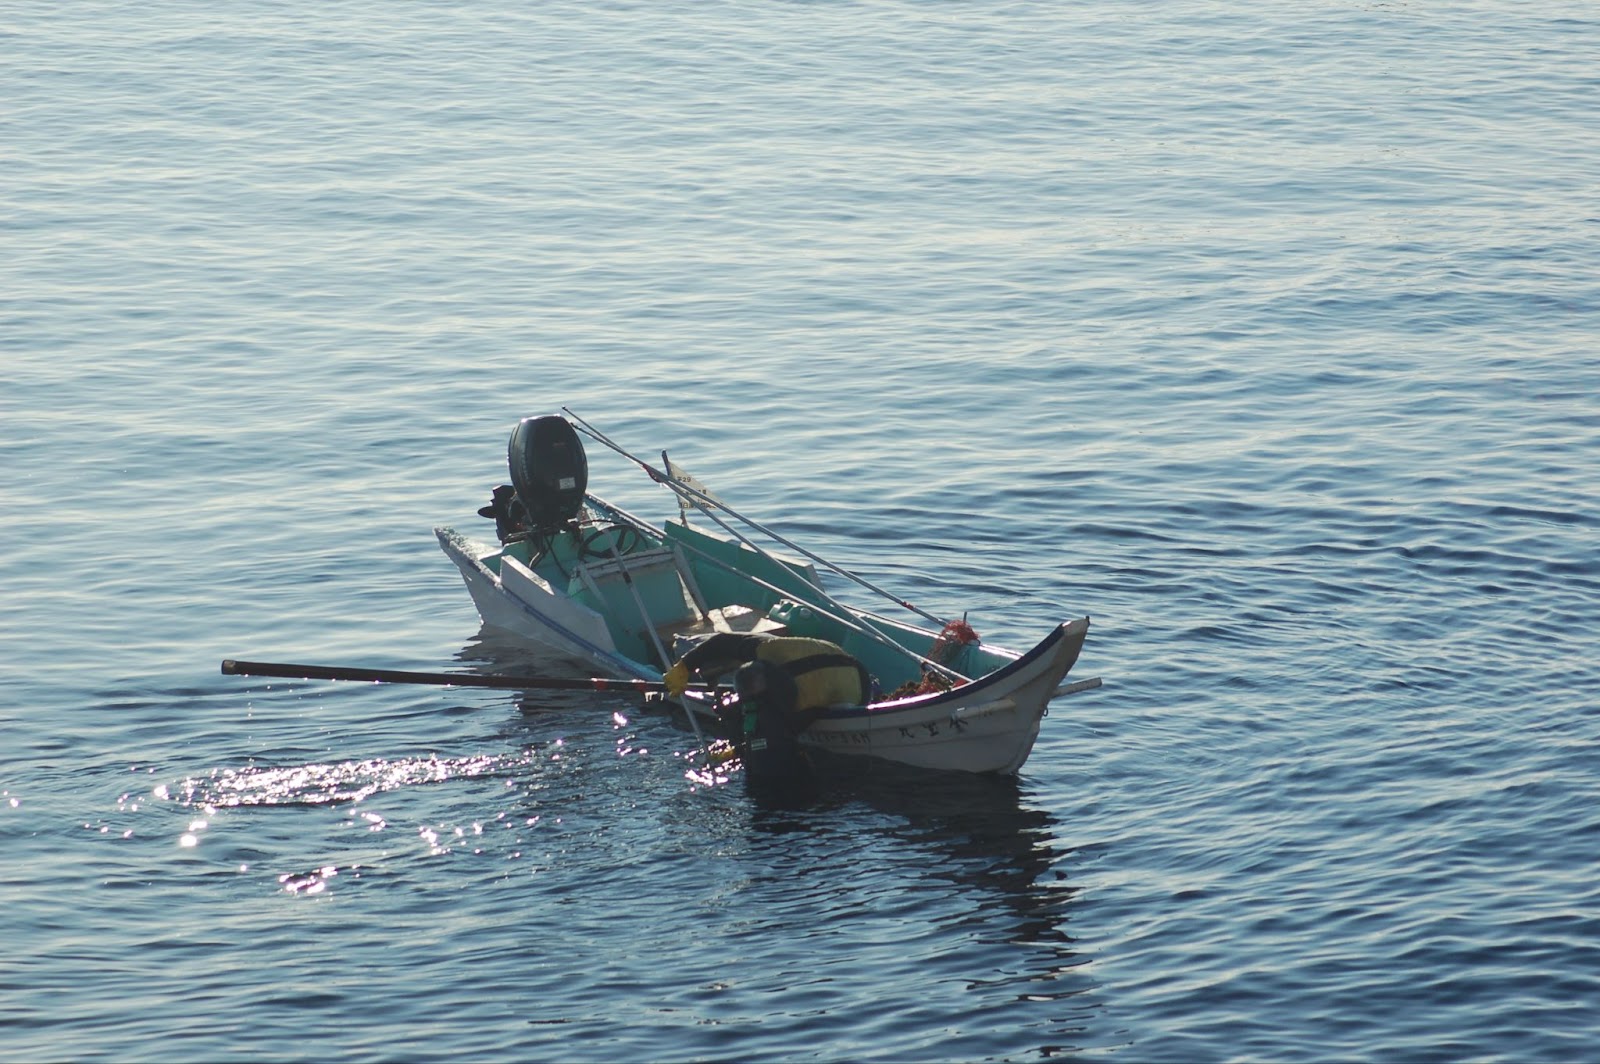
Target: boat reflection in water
[[891, 876]]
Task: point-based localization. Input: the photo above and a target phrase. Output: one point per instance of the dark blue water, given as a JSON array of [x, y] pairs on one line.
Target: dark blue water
[[1267, 337]]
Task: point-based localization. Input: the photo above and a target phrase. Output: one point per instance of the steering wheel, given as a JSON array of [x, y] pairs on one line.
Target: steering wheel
[[587, 547]]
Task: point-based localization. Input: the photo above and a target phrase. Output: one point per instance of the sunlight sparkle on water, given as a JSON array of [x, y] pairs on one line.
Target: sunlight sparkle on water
[[347, 781], [312, 882]]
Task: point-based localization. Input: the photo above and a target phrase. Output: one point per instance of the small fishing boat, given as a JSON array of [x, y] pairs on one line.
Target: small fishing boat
[[580, 576]]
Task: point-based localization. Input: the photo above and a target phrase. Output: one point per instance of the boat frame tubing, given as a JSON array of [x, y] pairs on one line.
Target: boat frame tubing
[[702, 502], [845, 615]]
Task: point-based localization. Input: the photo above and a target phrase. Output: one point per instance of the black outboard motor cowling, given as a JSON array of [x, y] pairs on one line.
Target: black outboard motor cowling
[[549, 471]]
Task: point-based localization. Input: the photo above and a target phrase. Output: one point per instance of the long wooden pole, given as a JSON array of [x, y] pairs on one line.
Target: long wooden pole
[[233, 667]]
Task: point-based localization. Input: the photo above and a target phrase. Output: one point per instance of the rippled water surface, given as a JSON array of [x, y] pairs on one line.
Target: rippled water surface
[[1266, 335]]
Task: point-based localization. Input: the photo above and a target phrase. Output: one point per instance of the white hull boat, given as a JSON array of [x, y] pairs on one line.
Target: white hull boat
[[577, 575]]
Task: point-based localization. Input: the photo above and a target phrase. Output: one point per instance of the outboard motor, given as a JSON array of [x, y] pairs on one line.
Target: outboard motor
[[777, 771], [549, 471], [510, 519]]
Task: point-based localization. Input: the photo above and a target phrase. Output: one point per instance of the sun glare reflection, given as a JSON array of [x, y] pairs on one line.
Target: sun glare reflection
[[346, 781], [312, 882]]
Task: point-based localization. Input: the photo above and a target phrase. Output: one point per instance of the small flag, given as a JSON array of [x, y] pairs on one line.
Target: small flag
[[686, 479]]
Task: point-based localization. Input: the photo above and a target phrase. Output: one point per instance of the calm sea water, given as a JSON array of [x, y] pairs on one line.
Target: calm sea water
[[1268, 335]]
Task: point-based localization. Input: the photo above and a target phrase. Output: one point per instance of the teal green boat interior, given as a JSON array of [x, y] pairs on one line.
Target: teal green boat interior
[[652, 587]]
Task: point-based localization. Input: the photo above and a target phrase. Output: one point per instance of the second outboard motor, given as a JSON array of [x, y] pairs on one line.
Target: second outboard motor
[[549, 471], [777, 771]]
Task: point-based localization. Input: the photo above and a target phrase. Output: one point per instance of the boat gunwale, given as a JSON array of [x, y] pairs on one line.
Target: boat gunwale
[[978, 686]]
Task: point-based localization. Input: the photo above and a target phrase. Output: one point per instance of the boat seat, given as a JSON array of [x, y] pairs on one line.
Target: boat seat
[[744, 619], [725, 619], [608, 586]]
